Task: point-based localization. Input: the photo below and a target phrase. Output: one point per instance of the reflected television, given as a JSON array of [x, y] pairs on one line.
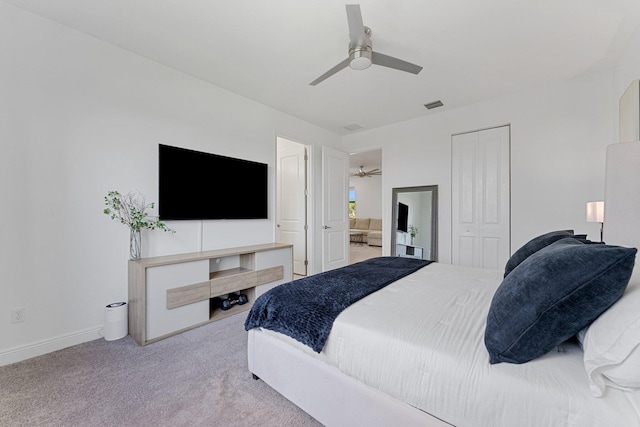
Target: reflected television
[[403, 217]]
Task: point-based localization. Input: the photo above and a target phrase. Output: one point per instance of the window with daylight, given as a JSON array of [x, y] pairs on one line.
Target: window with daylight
[[352, 202]]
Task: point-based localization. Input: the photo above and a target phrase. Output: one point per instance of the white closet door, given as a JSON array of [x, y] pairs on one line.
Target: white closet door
[[481, 198]]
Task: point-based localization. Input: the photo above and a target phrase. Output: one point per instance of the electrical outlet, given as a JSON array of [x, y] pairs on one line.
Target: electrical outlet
[[18, 315]]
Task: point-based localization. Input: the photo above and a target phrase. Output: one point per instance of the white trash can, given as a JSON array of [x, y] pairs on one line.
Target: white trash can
[[116, 324]]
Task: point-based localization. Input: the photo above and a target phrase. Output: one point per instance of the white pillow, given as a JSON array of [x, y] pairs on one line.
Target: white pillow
[[611, 343]]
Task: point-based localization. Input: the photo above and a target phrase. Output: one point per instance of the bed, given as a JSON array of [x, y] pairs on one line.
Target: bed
[[441, 345]]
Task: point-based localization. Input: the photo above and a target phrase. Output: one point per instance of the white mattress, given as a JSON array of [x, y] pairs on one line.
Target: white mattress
[[421, 341]]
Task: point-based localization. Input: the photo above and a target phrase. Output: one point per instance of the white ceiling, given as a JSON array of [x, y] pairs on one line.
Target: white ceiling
[[269, 50], [367, 159]]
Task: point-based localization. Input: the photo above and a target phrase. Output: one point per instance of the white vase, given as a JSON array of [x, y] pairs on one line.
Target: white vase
[[135, 244]]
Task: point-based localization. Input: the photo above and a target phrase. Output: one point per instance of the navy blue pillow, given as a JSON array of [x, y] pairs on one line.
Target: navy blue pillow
[[552, 295], [533, 246]]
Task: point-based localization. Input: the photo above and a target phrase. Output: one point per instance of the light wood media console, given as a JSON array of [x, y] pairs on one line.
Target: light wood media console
[[173, 293]]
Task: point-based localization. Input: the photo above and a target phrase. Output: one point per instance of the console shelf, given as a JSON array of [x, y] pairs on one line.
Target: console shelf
[[174, 293], [216, 313]]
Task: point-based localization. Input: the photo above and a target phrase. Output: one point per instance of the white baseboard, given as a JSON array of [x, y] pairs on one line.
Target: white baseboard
[[38, 348]]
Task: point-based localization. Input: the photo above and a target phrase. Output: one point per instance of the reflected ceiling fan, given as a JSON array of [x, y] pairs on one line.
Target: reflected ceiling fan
[[361, 54], [362, 173]]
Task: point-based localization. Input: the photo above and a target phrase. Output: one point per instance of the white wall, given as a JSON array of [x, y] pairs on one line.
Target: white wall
[[368, 196], [558, 139], [78, 118]]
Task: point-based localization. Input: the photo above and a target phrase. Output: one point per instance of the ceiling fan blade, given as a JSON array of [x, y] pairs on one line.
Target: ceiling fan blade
[[356, 27], [331, 72], [391, 62]]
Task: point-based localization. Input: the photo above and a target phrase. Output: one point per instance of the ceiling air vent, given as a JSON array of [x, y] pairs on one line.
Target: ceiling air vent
[[353, 127], [434, 104]]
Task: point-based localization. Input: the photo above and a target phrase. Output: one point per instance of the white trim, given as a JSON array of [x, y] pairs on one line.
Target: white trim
[[38, 348]]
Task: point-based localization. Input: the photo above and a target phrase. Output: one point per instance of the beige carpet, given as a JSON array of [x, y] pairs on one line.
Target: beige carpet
[[360, 252], [197, 378]]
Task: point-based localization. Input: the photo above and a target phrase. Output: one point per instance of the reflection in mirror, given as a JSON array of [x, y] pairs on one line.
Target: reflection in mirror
[[415, 222]]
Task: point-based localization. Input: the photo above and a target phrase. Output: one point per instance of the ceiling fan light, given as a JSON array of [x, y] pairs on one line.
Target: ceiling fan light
[[360, 59]]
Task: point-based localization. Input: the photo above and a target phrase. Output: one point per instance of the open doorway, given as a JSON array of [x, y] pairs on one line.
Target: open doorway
[[365, 205], [292, 200]]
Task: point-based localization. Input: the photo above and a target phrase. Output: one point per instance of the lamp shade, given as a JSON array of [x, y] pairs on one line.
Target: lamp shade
[[595, 211]]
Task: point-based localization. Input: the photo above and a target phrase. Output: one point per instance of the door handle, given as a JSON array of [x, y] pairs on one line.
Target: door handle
[[325, 227], [278, 225]]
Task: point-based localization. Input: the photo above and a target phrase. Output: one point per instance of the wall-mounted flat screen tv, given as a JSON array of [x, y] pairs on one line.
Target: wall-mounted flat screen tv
[[403, 217], [198, 185]]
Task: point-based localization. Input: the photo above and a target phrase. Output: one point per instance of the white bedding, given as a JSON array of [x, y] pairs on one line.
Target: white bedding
[[420, 340]]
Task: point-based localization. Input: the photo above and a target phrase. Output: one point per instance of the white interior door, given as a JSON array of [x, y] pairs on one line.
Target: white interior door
[[291, 201], [481, 198], [335, 209]]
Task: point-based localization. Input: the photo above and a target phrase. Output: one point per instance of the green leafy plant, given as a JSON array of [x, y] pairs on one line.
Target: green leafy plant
[[131, 210], [413, 231]]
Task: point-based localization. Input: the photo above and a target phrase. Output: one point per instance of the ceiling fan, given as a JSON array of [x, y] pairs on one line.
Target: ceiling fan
[[361, 54], [362, 173]]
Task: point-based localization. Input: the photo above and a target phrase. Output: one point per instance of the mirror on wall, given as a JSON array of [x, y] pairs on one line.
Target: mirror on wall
[[414, 224]]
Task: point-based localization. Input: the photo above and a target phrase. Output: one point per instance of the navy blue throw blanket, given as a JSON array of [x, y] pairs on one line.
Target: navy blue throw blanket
[[306, 308]]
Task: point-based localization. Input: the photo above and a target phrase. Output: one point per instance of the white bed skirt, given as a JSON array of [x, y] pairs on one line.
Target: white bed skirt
[[324, 392]]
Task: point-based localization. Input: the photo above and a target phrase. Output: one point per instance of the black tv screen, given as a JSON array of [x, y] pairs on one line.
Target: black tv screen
[[403, 217], [197, 185]]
